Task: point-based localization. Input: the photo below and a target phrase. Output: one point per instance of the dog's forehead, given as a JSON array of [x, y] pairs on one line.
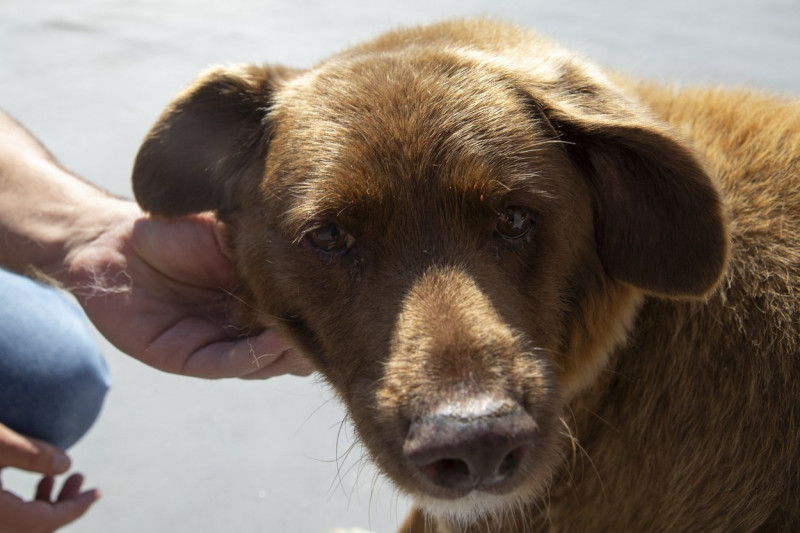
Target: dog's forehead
[[392, 126]]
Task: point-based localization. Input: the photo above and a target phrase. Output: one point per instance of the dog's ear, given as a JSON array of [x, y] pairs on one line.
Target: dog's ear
[[660, 220], [209, 137]]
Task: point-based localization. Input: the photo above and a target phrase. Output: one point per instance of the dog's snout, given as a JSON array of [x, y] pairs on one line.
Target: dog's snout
[[465, 450]]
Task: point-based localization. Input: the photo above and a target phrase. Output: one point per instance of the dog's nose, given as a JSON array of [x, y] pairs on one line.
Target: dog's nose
[[474, 448]]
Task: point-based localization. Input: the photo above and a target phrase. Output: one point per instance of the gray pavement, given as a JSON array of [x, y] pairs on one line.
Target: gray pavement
[[173, 454]]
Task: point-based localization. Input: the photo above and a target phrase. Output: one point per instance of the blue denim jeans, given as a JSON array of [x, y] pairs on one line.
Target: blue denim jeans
[[53, 377]]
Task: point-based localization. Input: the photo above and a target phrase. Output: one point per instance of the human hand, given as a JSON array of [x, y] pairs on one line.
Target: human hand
[[42, 514], [162, 291], [159, 290]]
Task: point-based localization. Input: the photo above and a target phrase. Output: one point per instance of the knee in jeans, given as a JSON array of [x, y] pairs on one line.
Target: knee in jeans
[[59, 401], [77, 400], [53, 377]]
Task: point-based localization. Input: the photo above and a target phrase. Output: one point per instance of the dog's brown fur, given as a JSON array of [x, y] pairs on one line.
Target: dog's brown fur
[[662, 398]]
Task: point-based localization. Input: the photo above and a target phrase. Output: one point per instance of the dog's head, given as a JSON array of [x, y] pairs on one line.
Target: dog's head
[[456, 224]]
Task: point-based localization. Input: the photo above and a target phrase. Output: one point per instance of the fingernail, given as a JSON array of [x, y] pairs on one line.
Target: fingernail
[[60, 462]]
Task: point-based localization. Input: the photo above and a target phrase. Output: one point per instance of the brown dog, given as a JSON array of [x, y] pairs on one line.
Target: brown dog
[[518, 273]]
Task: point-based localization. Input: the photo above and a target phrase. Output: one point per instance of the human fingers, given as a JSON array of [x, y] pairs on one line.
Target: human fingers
[[288, 362], [41, 515], [194, 347], [44, 489], [263, 356], [189, 250], [30, 454], [71, 488], [272, 356]]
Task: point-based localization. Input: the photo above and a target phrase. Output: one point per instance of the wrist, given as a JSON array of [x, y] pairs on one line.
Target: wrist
[[96, 220], [46, 214]]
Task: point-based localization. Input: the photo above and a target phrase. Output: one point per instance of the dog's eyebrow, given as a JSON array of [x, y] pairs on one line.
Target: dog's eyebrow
[[372, 196], [357, 159]]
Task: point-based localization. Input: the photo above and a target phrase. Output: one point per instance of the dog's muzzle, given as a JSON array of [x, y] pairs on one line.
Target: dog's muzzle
[[478, 446]]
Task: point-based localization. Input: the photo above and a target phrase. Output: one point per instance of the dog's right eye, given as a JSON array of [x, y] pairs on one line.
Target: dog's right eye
[[514, 223], [330, 238]]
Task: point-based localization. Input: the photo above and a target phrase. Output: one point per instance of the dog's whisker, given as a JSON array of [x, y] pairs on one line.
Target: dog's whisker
[[601, 419], [373, 494], [340, 460], [313, 413], [358, 466], [578, 449], [233, 295], [542, 505]]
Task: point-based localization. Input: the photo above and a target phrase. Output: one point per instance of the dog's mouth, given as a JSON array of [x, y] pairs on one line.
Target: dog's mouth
[[479, 456], [456, 406]]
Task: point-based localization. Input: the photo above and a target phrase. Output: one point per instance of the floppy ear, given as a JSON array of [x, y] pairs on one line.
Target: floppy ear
[[660, 220], [210, 136]]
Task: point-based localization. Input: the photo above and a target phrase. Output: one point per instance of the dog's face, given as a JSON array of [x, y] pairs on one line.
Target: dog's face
[[457, 242]]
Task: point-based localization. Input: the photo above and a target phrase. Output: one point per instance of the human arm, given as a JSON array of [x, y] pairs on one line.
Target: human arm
[[160, 290]]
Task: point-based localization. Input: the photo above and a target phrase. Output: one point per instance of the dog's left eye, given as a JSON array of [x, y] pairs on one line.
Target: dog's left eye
[[330, 238], [514, 223]]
